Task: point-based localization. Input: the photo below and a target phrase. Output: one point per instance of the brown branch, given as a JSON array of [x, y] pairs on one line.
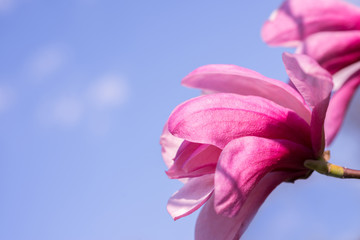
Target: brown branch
[[351, 173]]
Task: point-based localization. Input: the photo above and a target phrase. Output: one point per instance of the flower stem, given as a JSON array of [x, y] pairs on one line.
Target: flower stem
[[329, 169]]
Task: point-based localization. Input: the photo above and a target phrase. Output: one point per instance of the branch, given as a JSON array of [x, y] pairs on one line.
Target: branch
[[329, 169]]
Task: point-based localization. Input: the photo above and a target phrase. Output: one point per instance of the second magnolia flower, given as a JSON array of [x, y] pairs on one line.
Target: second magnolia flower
[[329, 32], [234, 146]]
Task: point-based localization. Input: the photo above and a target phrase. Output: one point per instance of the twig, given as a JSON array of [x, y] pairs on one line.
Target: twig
[[329, 169]]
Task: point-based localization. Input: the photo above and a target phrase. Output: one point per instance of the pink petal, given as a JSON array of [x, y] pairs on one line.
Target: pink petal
[[235, 79], [315, 84], [312, 81], [193, 160], [344, 74], [169, 146], [297, 19], [317, 127], [338, 106], [333, 50], [219, 118], [211, 225], [191, 196], [245, 161]]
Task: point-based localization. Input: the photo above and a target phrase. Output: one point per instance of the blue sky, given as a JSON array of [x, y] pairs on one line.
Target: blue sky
[[85, 88]]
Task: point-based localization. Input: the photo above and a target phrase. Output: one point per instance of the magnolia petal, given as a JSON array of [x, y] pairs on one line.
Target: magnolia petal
[[239, 80], [317, 127], [211, 225], [315, 84], [191, 196], [344, 74], [294, 20], [169, 146], [312, 81], [219, 118], [338, 106], [245, 161], [333, 50], [193, 160]]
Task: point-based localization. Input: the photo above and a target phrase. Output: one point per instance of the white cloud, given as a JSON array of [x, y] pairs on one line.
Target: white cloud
[[91, 106], [6, 5], [7, 98], [68, 111], [108, 91], [63, 111], [46, 61]]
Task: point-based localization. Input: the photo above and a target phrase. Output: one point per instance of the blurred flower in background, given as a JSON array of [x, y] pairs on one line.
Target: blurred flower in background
[[329, 32]]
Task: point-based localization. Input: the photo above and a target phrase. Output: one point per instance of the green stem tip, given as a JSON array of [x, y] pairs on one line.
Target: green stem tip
[[329, 169]]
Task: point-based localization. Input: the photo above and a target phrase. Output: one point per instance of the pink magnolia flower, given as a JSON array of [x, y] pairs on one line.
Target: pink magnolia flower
[[233, 147], [329, 32]]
